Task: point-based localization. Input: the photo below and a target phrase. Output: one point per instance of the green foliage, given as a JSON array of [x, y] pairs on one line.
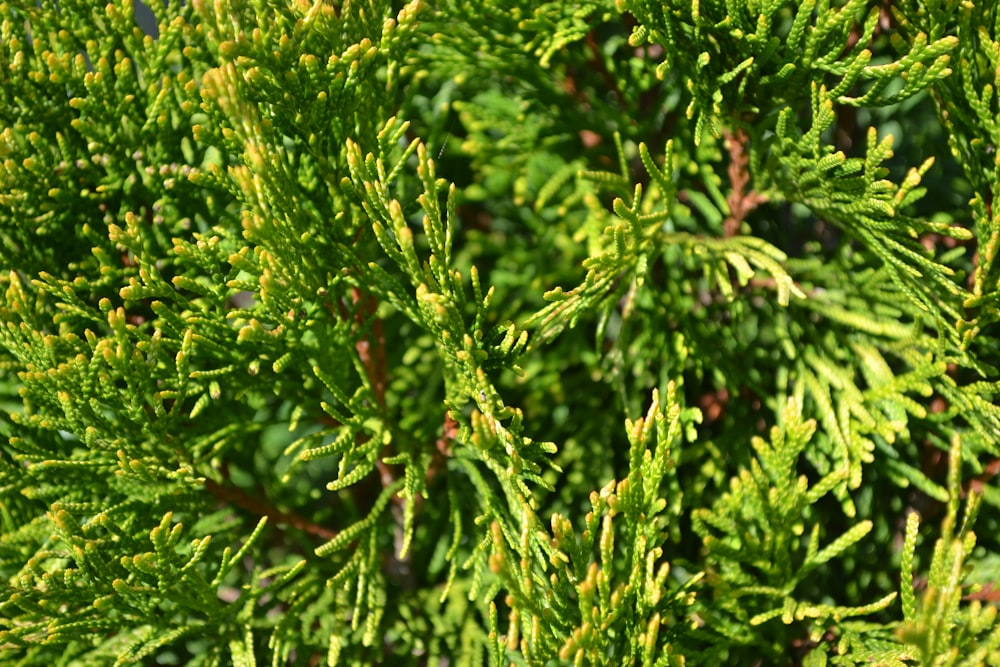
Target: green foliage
[[320, 321]]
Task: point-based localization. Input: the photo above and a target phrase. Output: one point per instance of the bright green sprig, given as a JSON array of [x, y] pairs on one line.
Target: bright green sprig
[[755, 533], [576, 593]]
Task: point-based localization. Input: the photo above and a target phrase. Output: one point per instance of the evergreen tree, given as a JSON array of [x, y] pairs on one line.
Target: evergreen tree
[[535, 333]]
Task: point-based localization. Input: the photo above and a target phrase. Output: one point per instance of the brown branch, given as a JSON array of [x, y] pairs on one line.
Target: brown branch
[[741, 203], [371, 348], [371, 351], [258, 506], [988, 593], [442, 448]]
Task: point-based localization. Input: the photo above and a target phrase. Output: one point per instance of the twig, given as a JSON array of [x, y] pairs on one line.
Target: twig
[[741, 203], [258, 507]]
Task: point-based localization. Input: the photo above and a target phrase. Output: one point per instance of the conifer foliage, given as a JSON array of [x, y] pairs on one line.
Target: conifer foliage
[[513, 333]]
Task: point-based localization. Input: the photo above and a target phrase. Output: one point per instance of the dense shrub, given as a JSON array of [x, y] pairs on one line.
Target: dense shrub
[[594, 333]]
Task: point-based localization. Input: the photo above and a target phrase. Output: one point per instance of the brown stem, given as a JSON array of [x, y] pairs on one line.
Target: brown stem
[[260, 507], [988, 593], [371, 348], [740, 201], [442, 448], [371, 351]]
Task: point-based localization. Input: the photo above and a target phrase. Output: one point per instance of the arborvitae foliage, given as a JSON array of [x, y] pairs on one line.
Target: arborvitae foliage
[[450, 332]]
